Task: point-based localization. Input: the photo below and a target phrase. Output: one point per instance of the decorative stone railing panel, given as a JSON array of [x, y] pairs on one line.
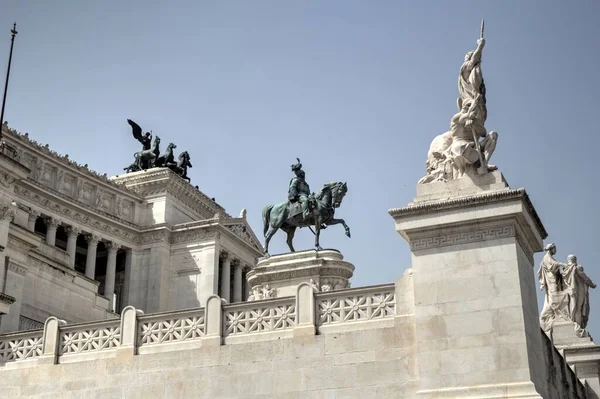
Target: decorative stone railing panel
[[259, 316], [89, 337], [169, 327], [355, 305], [21, 346]]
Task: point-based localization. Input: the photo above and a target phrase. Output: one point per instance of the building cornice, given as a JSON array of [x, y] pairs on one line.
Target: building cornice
[[17, 139], [472, 200], [77, 212], [161, 181]]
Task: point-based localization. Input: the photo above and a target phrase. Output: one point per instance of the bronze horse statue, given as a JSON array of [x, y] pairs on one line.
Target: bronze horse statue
[[182, 165], [287, 215], [145, 159]]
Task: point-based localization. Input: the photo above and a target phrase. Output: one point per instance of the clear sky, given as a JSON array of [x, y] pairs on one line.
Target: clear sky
[[357, 90]]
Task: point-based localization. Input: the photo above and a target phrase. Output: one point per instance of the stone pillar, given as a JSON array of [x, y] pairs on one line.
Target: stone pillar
[[51, 226], [90, 261], [237, 282], [111, 268], [72, 233], [226, 277], [472, 242], [31, 219], [246, 292]]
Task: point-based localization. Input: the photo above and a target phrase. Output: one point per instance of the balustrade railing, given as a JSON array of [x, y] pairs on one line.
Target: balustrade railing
[[161, 328], [357, 304], [21, 346], [259, 316], [89, 337], [205, 326]]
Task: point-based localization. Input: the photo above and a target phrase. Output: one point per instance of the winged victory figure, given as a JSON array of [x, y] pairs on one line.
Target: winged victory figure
[[144, 159]]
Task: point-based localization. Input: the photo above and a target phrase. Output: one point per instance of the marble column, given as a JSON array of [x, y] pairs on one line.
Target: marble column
[[72, 234], [111, 269], [51, 226], [246, 292], [225, 276], [31, 219], [90, 261], [237, 282]]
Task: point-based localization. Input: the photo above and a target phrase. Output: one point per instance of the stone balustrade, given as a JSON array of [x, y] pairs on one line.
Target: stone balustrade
[[219, 323], [21, 346]]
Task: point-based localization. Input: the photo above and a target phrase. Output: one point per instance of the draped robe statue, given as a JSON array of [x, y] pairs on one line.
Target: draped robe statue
[[577, 284], [551, 281]]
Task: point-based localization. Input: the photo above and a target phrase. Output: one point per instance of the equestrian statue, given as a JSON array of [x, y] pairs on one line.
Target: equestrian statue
[[151, 157], [304, 209]]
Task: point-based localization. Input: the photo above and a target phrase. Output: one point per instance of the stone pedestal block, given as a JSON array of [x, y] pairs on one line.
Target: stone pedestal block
[[581, 353], [472, 242], [284, 273]]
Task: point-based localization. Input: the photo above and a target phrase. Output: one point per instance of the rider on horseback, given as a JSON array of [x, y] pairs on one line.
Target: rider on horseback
[[299, 191]]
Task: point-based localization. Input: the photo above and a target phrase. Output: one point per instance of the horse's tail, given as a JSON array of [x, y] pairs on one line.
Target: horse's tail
[[266, 213]]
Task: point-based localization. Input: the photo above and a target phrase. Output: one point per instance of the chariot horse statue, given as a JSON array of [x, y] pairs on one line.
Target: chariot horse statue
[[288, 215]]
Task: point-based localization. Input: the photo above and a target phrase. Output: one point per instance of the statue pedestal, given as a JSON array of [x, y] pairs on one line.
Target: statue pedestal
[[283, 273], [581, 353], [472, 242]]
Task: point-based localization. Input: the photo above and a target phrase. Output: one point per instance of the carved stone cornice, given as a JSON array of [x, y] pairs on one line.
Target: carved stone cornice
[[6, 298], [72, 201], [15, 268], [472, 200], [155, 236], [193, 235], [160, 181], [74, 212], [25, 141]]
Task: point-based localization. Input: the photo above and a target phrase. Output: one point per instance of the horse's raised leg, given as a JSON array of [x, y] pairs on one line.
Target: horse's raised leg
[[342, 222], [291, 231]]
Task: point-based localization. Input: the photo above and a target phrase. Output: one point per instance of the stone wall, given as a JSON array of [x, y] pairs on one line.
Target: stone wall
[[353, 343], [260, 349]]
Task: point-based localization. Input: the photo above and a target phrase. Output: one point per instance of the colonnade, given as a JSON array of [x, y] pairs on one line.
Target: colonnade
[[240, 290], [92, 241]]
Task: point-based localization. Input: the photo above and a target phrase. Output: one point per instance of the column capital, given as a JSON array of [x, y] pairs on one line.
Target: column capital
[[92, 239], [237, 263], [224, 255], [7, 213], [73, 231], [51, 222], [112, 246], [33, 214]]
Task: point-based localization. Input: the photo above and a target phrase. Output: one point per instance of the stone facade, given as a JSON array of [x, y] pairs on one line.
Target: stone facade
[[81, 246], [136, 286]]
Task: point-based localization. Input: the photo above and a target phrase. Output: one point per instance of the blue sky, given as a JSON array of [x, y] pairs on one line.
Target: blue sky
[[356, 89]]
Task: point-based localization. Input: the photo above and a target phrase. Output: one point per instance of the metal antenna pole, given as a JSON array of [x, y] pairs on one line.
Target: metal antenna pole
[[12, 42]]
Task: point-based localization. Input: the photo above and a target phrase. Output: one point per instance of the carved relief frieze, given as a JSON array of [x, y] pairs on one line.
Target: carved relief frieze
[[154, 237], [15, 268], [7, 181], [193, 236], [462, 237], [130, 236]]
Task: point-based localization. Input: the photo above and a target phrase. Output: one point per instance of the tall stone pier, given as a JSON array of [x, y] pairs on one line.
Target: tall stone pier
[[472, 242]]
